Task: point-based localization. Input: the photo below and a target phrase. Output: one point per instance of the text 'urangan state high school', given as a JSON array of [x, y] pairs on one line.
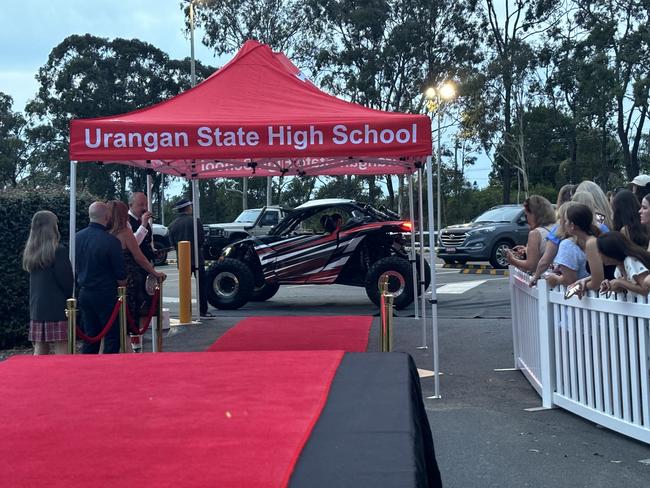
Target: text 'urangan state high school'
[[282, 135]]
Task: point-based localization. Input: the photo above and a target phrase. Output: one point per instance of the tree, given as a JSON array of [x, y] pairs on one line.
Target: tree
[[511, 61], [618, 33], [88, 76], [229, 23], [13, 161]]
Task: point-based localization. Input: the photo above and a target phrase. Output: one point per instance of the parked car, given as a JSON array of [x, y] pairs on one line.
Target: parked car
[[301, 251], [486, 238], [161, 244], [251, 222]]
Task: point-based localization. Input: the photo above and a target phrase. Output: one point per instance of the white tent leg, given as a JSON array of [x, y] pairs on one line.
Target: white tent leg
[[154, 330], [196, 214], [434, 296], [423, 287], [73, 213], [412, 253]]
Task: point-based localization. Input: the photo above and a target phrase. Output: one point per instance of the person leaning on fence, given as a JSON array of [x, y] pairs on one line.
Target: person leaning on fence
[[632, 264], [137, 264], [627, 218], [182, 229], [541, 217], [552, 242], [100, 270], [578, 254], [644, 213], [50, 284]]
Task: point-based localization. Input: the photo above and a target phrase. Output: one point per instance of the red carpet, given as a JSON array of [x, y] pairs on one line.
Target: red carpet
[[347, 333], [166, 420]]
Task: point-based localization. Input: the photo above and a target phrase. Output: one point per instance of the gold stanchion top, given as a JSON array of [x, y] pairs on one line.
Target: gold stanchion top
[[383, 284]]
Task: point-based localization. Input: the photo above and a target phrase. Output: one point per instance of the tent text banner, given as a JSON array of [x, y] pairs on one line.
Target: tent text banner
[[110, 141]]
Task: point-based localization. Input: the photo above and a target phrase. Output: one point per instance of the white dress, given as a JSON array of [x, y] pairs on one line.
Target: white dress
[[633, 268]]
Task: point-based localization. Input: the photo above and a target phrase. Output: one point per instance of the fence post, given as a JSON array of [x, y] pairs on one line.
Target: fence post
[[71, 314], [514, 312], [546, 341]]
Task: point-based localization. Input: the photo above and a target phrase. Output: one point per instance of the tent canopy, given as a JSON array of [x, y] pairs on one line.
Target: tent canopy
[[256, 115]]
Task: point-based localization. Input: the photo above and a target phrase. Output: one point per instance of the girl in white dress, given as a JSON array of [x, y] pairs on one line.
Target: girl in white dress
[[632, 264]]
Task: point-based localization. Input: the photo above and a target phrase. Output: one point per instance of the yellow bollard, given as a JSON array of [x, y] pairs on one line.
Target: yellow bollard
[[124, 335], [386, 319], [185, 282], [71, 314]]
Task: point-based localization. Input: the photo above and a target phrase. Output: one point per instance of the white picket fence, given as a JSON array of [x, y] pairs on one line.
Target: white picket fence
[[590, 356]]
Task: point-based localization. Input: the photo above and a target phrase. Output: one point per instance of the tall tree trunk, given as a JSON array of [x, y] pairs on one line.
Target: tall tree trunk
[[391, 192], [625, 143], [506, 173]]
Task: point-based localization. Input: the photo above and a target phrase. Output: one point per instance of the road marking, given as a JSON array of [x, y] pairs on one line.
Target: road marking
[[459, 288], [174, 300]]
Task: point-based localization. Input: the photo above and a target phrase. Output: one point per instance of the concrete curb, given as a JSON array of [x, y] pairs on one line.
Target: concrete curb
[[501, 272]]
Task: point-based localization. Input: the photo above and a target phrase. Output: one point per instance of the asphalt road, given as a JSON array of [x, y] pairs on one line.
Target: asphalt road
[[470, 296]]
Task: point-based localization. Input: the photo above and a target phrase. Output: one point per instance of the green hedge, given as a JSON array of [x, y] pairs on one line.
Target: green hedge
[[16, 210]]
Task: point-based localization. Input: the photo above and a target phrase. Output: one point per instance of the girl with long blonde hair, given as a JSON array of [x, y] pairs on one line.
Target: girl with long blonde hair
[[50, 284]]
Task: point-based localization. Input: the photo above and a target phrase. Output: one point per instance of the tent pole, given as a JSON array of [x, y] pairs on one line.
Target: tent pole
[[434, 297], [269, 190], [154, 330], [196, 215], [412, 254], [162, 198], [423, 297], [149, 204], [73, 213]]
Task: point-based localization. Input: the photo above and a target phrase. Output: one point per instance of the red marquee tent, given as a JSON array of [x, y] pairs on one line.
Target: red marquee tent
[[256, 115]]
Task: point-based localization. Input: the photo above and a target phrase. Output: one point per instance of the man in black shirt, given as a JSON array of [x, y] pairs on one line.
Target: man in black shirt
[[100, 269], [139, 221], [182, 229]]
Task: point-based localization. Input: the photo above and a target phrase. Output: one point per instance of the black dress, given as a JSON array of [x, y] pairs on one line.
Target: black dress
[[137, 299]]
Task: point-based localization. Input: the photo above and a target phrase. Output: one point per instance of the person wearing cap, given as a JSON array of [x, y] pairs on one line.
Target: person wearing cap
[[182, 229], [641, 186]]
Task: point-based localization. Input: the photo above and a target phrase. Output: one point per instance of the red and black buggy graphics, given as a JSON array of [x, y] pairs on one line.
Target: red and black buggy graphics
[[365, 249]]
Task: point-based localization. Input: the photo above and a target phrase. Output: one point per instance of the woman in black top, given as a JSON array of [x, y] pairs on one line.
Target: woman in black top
[[50, 284]]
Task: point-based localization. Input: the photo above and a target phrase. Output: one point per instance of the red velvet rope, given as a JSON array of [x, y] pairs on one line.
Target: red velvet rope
[[152, 311], [107, 327]]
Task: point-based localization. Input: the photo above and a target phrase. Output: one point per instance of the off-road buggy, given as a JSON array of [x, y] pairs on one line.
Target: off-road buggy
[[307, 248]]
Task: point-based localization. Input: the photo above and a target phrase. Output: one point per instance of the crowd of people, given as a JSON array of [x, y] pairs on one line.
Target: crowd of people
[[590, 240], [114, 250]]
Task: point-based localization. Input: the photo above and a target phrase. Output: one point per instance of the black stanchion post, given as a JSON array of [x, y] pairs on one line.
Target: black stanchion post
[[158, 346], [121, 293], [71, 314]]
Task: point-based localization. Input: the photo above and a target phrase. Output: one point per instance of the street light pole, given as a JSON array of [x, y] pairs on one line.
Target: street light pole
[[439, 158], [195, 182], [444, 91], [192, 67]]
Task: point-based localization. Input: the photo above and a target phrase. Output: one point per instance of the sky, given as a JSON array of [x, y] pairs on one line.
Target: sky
[[30, 29]]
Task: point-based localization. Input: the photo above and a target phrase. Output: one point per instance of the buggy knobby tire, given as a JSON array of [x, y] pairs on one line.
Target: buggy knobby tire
[[230, 284], [400, 281], [264, 292]]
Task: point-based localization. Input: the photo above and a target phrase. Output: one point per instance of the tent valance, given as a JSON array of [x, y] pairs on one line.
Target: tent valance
[[256, 115]]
